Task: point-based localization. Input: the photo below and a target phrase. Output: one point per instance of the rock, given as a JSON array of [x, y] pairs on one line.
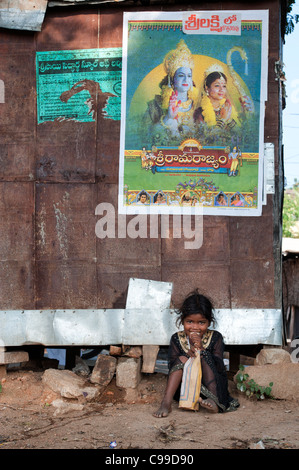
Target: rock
[[103, 370], [272, 356], [63, 406], [257, 445], [285, 378], [81, 368], [69, 385], [128, 372]]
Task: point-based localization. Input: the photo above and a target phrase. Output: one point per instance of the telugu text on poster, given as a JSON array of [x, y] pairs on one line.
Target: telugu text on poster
[[68, 83]]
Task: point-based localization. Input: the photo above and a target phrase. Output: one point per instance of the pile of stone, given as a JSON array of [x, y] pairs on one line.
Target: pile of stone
[[276, 365], [80, 386]]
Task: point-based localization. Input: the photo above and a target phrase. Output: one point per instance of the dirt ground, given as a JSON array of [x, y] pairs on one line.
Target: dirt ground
[[28, 420]]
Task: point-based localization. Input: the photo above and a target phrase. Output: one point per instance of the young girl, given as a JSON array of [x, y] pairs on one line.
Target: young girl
[[196, 315]]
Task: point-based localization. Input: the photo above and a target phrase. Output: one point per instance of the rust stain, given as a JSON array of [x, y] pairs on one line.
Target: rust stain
[[62, 222]]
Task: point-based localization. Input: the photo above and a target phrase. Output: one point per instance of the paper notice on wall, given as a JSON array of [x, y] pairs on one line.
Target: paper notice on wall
[[77, 84]]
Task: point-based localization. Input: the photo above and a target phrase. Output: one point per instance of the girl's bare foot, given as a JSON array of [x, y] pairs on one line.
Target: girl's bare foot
[[162, 412], [209, 404]]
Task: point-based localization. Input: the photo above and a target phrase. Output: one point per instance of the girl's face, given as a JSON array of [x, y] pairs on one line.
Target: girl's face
[[195, 323], [217, 90], [182, 80]]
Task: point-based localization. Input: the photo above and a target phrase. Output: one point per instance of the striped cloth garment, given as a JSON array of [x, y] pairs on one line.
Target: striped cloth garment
[[191, 383]]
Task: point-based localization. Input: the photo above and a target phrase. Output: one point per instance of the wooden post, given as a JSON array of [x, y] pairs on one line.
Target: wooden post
[[150, 353]]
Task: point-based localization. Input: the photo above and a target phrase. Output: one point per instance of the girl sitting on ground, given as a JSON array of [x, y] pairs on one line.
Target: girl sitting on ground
[[196, 315]]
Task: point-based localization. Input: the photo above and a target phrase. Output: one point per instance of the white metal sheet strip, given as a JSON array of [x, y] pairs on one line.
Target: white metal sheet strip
[[130, 326]]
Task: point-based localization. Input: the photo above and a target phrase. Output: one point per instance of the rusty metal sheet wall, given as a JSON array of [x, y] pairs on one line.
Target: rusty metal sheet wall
[[53, 175]]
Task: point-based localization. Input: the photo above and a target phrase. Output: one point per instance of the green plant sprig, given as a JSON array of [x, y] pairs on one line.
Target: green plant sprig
[[250, 387]]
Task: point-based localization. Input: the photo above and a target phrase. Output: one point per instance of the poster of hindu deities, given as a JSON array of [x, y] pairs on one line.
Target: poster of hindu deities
[[194, 86]]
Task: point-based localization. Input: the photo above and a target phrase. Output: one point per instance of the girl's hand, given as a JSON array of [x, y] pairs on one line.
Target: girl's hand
[[192, 351], [195, 340]]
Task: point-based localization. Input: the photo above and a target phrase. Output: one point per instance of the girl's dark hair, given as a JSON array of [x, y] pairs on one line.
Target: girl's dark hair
[[196, 303], [214, 76]]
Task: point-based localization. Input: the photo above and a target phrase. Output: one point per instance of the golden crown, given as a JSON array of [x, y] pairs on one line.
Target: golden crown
[[179, 57], [213, 68]]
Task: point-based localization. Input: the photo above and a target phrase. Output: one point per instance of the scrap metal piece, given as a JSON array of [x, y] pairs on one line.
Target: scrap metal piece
[[250, 326], [135, 327], [147, 294], [146, 320], [23, 15]]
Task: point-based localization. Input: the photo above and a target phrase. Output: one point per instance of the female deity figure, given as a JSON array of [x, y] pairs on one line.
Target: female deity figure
[[173, 109], [216, 109]]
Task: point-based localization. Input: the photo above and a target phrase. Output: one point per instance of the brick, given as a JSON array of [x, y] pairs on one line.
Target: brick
[[115, 350], [128, 372], [133, 351], [103, 370], [13, 357]]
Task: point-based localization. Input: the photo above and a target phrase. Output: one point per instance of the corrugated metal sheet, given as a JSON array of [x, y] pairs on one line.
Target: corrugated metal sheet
[[23, 15], [148, 294], [147, 319], [130, 326]]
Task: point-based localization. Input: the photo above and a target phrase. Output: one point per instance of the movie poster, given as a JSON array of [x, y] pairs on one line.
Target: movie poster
[[194, 86]]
